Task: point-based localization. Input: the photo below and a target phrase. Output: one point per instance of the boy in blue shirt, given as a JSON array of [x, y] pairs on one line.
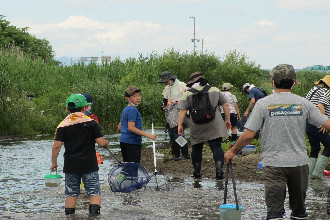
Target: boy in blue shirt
[[130, 127]]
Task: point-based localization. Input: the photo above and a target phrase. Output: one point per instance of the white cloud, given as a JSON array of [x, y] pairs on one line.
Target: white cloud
[[79, 35], [266, 23]]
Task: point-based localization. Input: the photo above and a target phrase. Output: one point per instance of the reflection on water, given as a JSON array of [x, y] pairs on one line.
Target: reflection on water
[[23, 194]]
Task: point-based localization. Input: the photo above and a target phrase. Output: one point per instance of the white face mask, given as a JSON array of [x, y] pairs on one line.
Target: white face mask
[[132, 103], [89, 108]]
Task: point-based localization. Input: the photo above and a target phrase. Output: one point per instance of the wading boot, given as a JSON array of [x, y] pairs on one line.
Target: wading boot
[[274, 215], [321, 163], [184, 151], [175, 151], [197, 170], [94, 209], [311, 165], [70, 211], [218, 170]]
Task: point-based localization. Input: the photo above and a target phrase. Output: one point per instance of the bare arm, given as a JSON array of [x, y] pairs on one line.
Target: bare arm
[[321, 108], [182, 114], [227, 115], [237, 110], [132, 128], [102, 142], [242, 141], [55, 152], [251, 104]]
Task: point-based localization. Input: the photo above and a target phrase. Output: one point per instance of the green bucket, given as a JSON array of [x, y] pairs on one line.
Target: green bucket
[[53, 180]]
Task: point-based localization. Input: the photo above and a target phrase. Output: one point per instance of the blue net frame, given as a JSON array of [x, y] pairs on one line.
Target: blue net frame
[[128, 177]]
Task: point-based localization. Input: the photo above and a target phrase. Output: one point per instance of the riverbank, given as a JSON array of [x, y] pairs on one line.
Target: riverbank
[[245, 167]]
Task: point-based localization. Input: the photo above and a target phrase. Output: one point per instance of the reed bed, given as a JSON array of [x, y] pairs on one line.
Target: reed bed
[[33, 92]]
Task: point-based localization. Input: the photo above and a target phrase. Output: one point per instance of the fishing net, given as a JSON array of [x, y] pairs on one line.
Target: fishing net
[[159, 182], [128, 177]]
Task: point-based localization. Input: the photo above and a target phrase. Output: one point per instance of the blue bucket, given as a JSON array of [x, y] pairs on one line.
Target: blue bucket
[[229, 212]]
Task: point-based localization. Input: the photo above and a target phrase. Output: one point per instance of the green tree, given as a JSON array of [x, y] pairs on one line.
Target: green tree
[[35, 48]]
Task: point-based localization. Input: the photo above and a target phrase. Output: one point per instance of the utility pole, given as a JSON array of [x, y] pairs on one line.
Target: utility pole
[[202, 45], [193, 40]]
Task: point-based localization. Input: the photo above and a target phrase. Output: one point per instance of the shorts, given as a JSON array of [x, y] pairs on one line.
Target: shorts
[[130, 152], [90, 180], [233, 119]]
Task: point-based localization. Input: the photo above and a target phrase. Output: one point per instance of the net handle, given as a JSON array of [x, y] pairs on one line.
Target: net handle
[[114, 155], [153, 142], [234, 184]]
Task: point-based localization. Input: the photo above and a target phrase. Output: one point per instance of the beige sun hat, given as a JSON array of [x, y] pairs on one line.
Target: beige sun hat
[[325, 80]]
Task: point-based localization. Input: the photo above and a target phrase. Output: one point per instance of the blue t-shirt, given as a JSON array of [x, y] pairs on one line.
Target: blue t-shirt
[[130, 113], [256, 93]]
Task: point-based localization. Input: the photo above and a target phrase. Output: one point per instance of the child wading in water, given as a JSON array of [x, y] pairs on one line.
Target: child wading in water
[[79, 133], [130, 127]]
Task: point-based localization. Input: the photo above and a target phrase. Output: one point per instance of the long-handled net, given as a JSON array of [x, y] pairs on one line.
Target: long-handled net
[[127, 177], [158, 180]]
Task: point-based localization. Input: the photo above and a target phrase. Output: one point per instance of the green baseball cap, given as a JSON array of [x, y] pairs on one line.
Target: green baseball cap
[[76, 101], [283, 71]]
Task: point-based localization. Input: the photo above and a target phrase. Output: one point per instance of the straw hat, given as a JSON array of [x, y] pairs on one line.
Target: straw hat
[[325, 80]]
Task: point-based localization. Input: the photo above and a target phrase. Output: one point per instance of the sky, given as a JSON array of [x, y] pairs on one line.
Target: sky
[[268, 32]]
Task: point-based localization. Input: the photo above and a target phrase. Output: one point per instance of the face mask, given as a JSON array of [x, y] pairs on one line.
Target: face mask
[[132, 103], [195, 85], [89, 108], [171, 83]]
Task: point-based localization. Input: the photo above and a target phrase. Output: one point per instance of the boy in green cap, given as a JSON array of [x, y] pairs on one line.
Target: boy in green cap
[[79, 133]]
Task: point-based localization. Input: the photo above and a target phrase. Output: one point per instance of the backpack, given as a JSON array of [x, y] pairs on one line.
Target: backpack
[[263, 91], [201, 110]]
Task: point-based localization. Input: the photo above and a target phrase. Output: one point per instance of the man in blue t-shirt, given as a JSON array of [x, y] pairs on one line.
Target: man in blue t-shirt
[[255, 94]]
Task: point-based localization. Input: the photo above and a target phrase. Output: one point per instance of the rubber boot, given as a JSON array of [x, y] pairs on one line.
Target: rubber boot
[[274, 215], [311, 164], [300, 217], [197, 170], [184, 151], [94, 209], [175, 151], [321, 163], [218, 170], [233, 137], [70, 211]]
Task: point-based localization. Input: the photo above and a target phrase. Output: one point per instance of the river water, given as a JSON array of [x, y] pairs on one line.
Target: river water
[[23, 194]]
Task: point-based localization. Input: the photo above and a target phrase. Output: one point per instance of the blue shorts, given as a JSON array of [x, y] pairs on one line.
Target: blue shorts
[[90, 180]]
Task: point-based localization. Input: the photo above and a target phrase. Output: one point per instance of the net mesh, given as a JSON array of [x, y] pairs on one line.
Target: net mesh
[[128, 177], [159, 182]]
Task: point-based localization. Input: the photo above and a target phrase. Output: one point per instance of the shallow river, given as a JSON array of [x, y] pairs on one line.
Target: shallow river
[[23, 194]]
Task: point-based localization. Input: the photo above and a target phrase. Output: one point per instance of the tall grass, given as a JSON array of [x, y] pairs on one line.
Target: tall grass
[[51, 85]]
